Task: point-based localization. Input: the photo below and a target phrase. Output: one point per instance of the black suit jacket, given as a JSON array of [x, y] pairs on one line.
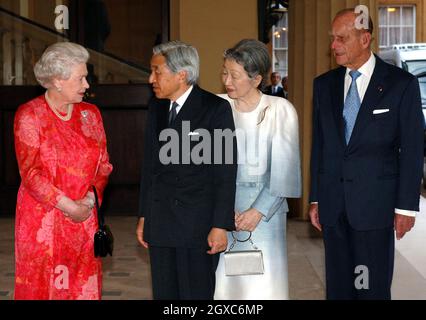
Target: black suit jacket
[[182, 202], [280, 92], [381, 167]]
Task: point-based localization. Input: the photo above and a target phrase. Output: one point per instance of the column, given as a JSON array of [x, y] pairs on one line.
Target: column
[[7, 58]]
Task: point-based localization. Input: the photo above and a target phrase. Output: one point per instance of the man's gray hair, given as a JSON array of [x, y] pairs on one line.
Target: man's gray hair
[[180, 56], [58, 60], [353, 10], [253, 55]]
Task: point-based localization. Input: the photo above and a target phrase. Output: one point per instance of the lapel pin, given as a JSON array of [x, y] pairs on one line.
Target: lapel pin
[[380, 88]]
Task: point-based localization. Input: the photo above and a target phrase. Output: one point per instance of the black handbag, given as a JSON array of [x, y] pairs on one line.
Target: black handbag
[[103, 239]]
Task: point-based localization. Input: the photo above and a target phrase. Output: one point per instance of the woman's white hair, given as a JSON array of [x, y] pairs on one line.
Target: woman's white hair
[[58, 61]]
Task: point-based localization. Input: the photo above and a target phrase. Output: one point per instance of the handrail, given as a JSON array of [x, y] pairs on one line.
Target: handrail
[[31, 22], [56, 33]]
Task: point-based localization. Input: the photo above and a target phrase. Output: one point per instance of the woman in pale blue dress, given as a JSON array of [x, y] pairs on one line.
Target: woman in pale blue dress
[[268, 173]]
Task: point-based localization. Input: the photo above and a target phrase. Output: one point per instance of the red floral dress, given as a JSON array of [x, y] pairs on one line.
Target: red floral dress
[[55, 256]]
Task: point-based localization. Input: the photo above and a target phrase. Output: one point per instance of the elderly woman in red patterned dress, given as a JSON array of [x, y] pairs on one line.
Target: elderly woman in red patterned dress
[[61, 150]]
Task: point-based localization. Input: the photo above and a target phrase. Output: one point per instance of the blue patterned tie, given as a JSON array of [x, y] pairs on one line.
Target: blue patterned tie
[[352, 105]]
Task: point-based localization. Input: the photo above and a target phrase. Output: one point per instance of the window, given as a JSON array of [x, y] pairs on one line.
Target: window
[[280, 46], [397, 24]]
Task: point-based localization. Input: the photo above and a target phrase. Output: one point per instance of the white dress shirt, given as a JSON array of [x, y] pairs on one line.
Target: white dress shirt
[[181, 100], [363, 80], [362, 83]]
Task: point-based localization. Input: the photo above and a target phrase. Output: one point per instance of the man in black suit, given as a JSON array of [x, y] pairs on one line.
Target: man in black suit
[[366, 163], [284, 83], [275, 89], [186, 205]]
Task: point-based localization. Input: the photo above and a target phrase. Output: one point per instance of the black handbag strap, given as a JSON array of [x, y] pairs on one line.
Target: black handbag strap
[[238, 240], [101, 221]]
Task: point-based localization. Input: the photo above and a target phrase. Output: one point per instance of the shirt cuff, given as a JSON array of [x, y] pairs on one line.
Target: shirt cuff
[[406, 212], [314, 202]]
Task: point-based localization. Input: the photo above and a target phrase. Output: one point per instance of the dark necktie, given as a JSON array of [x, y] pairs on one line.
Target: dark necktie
[[173, 113]]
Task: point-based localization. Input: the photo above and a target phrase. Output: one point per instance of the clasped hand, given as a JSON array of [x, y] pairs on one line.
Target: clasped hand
[[83, 209], [248, 220]]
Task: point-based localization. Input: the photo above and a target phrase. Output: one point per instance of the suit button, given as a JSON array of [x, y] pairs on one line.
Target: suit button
[[177, 179], [176, 202], [341, 180]]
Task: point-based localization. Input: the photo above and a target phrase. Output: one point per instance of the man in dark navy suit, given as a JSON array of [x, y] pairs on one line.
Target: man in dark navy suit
[[366, 162], [186, 205], [275, 89]]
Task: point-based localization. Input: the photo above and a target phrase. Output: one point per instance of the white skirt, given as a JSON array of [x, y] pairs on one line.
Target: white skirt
[[270, 237]]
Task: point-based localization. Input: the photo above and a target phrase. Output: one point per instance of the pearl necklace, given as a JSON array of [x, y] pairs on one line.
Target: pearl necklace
[[56, 112]]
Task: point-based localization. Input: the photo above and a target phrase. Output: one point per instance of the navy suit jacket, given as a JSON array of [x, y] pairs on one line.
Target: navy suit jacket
[[182, 202], [280, 92], [381, 167]]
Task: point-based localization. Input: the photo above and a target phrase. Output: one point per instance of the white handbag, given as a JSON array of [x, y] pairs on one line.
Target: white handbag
[[243, 262]]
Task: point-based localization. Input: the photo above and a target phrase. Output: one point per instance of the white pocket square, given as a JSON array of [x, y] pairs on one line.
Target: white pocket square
[[193, 133], [379, 111]]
